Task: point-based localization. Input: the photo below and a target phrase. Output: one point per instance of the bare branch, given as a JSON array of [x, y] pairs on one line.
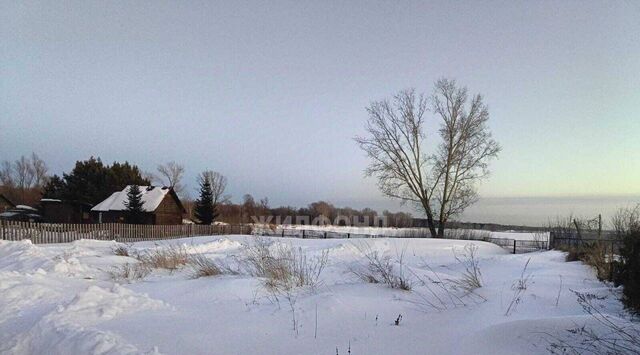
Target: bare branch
[[171, 174]]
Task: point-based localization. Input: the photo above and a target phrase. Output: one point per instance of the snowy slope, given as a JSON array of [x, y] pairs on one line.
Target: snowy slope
[[60, 299]]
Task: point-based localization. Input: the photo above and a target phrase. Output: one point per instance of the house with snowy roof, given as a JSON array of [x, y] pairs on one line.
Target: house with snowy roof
[[161, 205]]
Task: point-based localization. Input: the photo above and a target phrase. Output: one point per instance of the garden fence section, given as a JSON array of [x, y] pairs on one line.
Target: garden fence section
[[44, 233], [512, 245], [608, 239]]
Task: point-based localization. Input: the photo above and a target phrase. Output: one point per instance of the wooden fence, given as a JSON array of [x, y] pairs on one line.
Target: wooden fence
[[46, 233], [43, 233]]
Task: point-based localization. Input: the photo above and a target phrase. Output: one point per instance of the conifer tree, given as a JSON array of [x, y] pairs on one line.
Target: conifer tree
[[134, 204], [204, 209]]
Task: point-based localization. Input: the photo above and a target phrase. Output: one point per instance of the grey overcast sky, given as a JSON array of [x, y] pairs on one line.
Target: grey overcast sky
[[271, 93]]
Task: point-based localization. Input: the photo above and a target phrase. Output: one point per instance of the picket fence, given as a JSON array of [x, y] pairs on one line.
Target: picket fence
[[45, 233]]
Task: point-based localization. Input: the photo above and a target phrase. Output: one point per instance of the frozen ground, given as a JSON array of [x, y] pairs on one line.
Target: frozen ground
[[60, 299]]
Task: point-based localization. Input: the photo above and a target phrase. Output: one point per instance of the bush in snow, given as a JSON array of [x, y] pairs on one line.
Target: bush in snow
[[169, 258], [596, 254], [121, 250], [203, 266], [129, 272], [381, 269], [627, 225], [613, 335], [471, 278], [284, 267]]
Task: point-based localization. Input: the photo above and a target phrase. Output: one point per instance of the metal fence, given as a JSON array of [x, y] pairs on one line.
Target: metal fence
[[608, 239], [512, 245], [44, 233]]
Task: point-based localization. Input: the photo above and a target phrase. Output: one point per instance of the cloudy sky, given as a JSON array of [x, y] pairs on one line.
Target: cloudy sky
[[272, 93]]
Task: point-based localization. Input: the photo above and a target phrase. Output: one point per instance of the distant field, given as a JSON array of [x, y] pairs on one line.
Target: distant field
[[410, 232]]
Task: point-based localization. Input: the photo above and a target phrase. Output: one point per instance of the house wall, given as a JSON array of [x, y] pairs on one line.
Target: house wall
[[120, 217], [168, 212], [57, 212]]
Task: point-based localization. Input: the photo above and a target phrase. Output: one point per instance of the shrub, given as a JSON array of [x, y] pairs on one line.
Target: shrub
[[169, 258], [629, 270], [203, 267], [284, 268], [612, 336], [596, 254], [121, 250], [380, 269], [471, 276], [129, 272]]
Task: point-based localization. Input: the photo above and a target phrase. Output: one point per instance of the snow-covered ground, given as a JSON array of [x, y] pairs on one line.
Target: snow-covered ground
[[61, 299]]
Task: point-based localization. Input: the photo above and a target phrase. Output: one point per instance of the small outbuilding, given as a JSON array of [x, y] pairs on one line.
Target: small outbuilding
[[161, 205], [5, 203], [62, 211]]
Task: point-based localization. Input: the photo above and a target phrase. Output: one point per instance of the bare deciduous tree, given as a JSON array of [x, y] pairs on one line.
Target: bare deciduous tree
[[218, 185], [441, 183], [24, 175], [171, 174], [40, 171], [6, 174]]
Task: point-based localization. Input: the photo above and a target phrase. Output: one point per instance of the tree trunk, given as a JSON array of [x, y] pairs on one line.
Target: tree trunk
[[441, 226], [430, 222], [432, 226]]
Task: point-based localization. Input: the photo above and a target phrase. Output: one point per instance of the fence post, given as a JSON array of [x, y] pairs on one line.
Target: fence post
[[2, 227], [283, 232], [325, 235], [348, 235], [514, 246], [303, 234]]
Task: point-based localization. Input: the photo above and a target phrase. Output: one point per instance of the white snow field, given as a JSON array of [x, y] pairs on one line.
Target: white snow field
[[61, 299]]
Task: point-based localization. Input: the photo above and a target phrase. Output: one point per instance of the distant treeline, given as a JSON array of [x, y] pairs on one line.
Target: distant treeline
[[249, 208], [27, 180]]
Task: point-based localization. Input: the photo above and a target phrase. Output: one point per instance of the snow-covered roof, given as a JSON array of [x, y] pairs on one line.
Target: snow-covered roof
[[25, 207], [152, 196], [50, 200]]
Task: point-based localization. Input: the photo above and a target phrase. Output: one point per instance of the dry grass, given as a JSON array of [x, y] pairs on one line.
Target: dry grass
[[170, 258], [129, 272], [121, 250], [596, 254], [381, 269], [471, 278], [205, 267], [284, 267], [519, 288], [614, 336]]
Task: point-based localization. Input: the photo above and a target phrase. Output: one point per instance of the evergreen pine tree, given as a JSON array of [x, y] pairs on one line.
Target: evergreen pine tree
[[204, 209], [134, 204]]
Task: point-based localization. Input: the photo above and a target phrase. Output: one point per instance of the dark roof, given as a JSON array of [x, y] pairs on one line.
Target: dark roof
[[3, 197]]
